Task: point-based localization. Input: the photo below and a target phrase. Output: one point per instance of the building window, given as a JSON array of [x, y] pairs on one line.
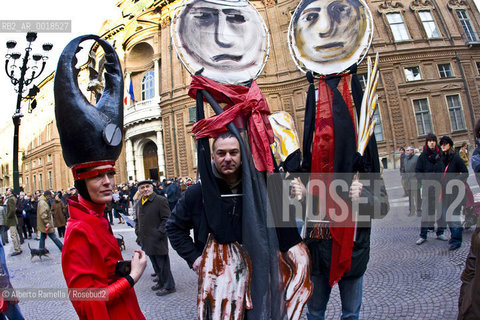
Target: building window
[[429, 24], [34, 164], [478, 67], [194, 152], [148, 86], [467, 26], [445, 70], [399, 30], [456, 113], [192, 114], [26, 185], [39, 161], [413, 74], [422, 115], [34, 183], [378, 125], [40, 181], [49, 158], [26, 167], [50, 186], [363, 80]]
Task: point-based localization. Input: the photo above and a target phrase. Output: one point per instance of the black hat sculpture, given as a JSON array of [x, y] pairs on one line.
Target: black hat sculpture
[[90, 135]]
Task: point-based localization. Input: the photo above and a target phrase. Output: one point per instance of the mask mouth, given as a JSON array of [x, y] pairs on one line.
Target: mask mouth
[[331, 45], [224, 57]]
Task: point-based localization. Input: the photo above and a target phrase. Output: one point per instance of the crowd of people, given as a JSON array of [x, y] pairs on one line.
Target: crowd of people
[[439, 164], [18, 213]]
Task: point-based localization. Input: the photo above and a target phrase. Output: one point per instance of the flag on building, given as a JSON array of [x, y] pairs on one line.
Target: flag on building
[[129, 94]]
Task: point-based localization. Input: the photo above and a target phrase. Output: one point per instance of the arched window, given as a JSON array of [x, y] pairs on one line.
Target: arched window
[[148, 86]]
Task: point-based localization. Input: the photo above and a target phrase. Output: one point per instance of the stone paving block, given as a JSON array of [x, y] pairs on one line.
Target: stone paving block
[[403, 280]]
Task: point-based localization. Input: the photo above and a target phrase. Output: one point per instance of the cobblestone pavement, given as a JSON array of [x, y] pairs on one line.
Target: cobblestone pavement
[[403, 280]]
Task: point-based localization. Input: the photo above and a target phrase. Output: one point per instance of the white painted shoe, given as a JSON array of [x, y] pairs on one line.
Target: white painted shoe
[[420, 241], [442, 237]]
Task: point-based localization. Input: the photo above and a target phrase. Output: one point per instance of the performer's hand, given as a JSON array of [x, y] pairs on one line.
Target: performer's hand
[[139, 262], [298, 286], [298, 189], [355, 190], [196, 265], [224, 282]]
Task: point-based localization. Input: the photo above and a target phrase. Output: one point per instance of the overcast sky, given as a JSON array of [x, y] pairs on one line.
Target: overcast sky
[[86, 16]]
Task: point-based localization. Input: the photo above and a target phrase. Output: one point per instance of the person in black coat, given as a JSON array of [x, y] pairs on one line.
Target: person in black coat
[[189, 214], [173, 193], [131, 193], [455, 174], [223, 220], [476, 153], [428, 170], [152, 212], [469, 299], [27, 207], [33, 214], [22, 231], [158, 189]]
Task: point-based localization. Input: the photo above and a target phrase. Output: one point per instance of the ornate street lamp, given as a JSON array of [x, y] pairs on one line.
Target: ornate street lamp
[[21, 77]]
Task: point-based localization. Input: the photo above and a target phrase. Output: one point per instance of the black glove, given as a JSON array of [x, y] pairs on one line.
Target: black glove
[[358, 162]]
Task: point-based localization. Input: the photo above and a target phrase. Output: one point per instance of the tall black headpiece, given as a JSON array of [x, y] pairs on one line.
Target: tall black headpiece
[[90, 135]]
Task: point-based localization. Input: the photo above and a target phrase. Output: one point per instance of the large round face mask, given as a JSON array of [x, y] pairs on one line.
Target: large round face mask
[[227, 38], [328, 36]]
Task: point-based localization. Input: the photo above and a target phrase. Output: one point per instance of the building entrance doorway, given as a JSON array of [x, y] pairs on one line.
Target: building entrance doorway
[[150, 161]]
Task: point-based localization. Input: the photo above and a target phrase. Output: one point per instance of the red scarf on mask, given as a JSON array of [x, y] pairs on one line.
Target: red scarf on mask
[[244, 101]]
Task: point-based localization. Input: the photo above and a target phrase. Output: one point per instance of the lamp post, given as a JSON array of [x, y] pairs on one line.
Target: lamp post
[[21, 77]]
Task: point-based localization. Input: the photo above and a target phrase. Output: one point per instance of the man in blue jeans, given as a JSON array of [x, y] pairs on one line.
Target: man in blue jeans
[[12, 311], [374, 205], [429, 170]]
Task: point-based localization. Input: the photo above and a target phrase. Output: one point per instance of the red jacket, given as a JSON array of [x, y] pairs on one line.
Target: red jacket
[[89, 256]]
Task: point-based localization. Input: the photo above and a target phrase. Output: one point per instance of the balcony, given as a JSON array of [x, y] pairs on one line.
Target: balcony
[[471, 39], [142, 111]]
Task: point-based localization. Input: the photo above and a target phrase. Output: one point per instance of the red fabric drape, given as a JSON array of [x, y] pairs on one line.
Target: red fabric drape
[[243, 101], [323, 163]]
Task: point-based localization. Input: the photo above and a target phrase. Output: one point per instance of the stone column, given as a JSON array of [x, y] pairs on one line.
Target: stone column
[[160, 155], [140, 170], [129, 155], [156, 69]]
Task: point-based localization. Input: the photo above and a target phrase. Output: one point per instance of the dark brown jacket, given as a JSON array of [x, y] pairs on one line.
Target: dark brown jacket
[[150, 224], [469, 300], [58, 210]]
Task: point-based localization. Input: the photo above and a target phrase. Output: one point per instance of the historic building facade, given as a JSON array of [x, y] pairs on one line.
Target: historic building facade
[[429, 53], [429, 78], [429, 81]]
